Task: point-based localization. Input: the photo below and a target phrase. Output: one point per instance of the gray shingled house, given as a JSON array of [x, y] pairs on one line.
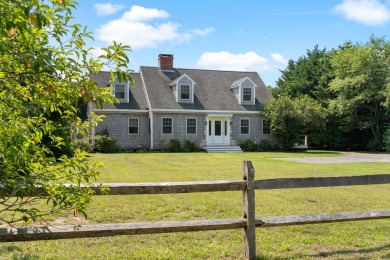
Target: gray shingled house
[[215, 109]]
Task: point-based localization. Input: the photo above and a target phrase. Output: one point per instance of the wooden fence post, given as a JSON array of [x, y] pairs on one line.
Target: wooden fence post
[[248, 210]]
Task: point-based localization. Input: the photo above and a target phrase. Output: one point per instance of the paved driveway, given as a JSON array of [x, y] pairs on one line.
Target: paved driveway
[[345, 158]]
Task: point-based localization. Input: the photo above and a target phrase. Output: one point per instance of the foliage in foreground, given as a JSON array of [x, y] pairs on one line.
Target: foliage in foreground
[[44, 73]]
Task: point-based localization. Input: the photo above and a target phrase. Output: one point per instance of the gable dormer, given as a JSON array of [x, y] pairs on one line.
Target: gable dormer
[[244, 90], [183, 89], [120, 90]]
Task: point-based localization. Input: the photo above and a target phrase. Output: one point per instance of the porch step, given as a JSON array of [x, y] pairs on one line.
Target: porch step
[[223, 149]]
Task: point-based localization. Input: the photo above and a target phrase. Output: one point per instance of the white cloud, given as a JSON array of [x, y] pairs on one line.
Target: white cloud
[[139, 14], [203, 32], [367, 12], [249, 61], [103, 9], [279, 58], [136, 29]]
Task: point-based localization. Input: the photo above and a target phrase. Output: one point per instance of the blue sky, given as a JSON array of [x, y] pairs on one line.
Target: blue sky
[[246, 35]]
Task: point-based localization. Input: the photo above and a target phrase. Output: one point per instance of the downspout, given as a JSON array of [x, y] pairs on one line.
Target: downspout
[[149, 107], [151, 129]]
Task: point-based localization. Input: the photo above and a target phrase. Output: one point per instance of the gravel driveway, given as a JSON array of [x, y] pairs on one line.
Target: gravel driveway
[[345, 158]]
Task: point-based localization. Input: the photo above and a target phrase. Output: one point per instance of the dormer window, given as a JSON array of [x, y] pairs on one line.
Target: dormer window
[[247, 94], [185, 92], [183, 89], [121, 92], [244, 90]]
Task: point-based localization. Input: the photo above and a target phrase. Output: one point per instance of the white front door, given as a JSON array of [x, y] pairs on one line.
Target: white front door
[[218, 132]]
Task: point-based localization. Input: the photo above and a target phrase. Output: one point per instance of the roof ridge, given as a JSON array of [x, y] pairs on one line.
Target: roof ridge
[[106, 71], [204, 69]]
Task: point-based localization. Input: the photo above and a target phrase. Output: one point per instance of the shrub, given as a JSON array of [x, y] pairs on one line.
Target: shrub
[[83, 145], [373, 146], [190, 146], [264, 146], [248, 146], [174, 146], [104, 143], [143, 149]]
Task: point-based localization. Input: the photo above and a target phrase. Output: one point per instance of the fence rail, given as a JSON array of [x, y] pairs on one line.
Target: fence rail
[[141, 228], [248, 222], [291, 183]]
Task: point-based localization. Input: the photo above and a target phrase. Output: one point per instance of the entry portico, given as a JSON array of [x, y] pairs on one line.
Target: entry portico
[[218, 129]]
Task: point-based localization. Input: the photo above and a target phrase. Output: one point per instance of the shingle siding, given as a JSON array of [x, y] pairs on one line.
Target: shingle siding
[[179, 131], [117, 126], [236, 92], [255, 129]]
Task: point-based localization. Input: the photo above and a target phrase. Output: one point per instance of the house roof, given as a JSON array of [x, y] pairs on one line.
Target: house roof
[[137, 97], [212, 89], [179, 78], [239, 82]]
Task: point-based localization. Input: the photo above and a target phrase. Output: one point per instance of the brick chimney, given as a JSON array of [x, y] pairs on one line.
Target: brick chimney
[[165, 61]]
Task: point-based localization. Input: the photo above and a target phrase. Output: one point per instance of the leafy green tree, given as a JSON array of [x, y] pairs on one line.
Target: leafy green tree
[[292, 118], [361, 79], [309, 75], [44, 70]]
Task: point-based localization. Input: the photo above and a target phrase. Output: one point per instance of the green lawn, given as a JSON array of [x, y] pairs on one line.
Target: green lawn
[[350, 240]]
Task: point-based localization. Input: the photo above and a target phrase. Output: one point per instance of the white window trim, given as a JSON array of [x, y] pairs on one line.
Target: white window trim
[[128, 125], [122, 100], [190, 92], [249, 126], [262, 127], [252, 95], [246, 101], [176, 87], [162, 126], [196, 126]]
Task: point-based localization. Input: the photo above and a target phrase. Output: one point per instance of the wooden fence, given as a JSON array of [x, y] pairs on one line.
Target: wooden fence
[[248, 222]]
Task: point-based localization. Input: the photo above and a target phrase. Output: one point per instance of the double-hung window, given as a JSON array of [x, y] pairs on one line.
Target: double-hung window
[[266, 127], [167, 125], [185, 92], [191, 125], [133, 126], [244, 126], [247, 94], [120, 91]]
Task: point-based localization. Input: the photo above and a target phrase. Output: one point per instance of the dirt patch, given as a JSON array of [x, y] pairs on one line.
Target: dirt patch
[[345, 158]]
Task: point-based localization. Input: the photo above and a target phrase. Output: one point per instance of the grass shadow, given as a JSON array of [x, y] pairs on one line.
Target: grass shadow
[[315, 152], [346, 252], [339, 253]]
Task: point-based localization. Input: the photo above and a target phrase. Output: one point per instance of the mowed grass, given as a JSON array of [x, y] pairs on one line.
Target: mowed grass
[[348, 240]]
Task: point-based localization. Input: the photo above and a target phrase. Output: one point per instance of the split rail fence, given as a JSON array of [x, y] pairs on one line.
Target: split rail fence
[[248, 222]]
